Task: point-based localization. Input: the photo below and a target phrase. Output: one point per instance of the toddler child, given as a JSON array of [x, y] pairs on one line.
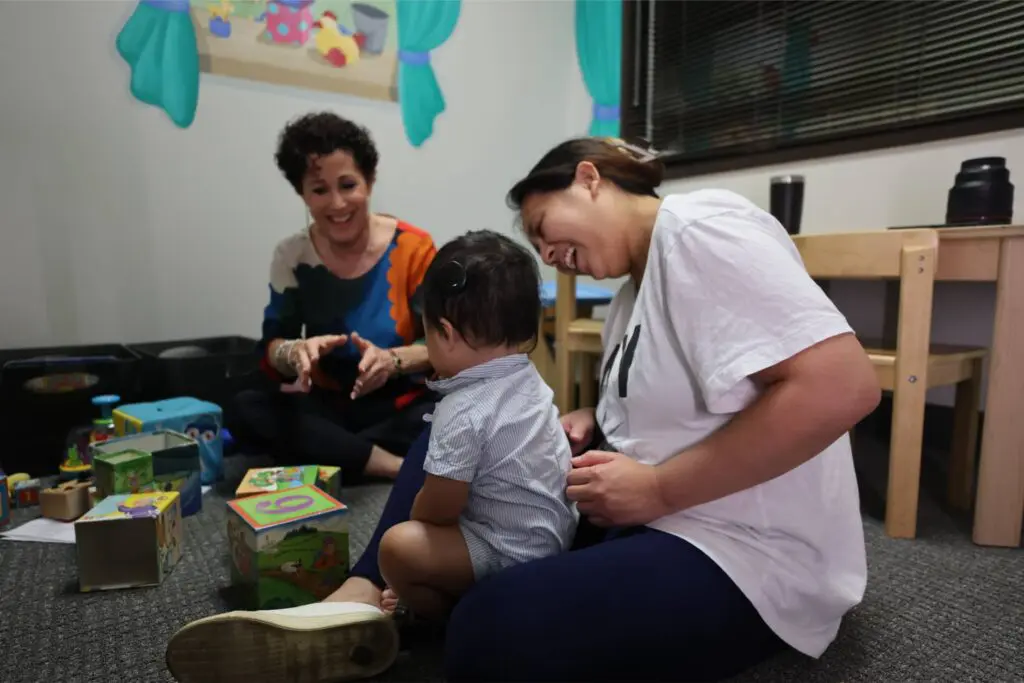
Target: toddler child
[[498, 456]]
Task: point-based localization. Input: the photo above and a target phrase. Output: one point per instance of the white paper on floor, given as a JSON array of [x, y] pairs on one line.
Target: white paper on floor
[[44, 530]]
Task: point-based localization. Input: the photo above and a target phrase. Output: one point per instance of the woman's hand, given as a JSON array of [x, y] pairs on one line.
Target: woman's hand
[[615, 490], [302, 354], [579, 426], [375, 368]]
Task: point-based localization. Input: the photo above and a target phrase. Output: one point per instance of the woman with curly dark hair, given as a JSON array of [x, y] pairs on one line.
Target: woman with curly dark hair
[[340, 338]]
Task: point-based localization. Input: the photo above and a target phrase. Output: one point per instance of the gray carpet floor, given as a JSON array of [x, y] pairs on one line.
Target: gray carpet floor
[[937, 608]]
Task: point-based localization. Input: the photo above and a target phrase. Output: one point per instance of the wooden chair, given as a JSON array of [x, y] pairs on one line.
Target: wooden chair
[[914, 366], [576, 339]]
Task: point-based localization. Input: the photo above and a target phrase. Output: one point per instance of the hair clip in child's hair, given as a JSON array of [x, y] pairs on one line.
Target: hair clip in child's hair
[[452, 277]]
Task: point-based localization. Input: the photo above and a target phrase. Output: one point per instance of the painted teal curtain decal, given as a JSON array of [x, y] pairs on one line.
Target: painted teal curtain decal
[[159, 44], [423, 25], [599, 51]]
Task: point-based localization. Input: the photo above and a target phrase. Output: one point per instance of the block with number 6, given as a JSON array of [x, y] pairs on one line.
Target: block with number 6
[[288, 548]]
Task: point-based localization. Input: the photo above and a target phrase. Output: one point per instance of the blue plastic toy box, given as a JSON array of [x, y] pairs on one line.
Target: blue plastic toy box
[[200, 420]]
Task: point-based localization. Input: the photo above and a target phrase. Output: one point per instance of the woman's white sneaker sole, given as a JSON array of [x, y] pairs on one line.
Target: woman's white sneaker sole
[[263, 647]]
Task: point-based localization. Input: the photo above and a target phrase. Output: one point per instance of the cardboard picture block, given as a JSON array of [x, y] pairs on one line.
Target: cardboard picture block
[[288, 548], [176, 463], [269, 479], [128, 541], [329, 481], [122, 472]]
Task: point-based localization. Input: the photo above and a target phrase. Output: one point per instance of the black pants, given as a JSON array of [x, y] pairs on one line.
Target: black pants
[[318, 429]]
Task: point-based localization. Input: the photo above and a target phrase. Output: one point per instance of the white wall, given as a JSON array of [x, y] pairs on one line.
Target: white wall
[[891, 187], [115, 225]]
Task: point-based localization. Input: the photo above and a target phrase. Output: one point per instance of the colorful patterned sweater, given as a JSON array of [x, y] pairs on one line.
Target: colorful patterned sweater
[[305, 295]]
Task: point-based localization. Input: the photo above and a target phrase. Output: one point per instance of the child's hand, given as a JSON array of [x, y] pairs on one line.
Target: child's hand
[[388, 601], [579, 426]]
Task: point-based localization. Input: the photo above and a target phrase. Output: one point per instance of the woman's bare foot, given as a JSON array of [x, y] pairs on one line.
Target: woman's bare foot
[[388, 601], [356, 589], [382, 464]]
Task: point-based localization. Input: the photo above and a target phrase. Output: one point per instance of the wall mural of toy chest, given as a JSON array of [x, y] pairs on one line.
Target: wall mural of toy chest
[[288, 548]]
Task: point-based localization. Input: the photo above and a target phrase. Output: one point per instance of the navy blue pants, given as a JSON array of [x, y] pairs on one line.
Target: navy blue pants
[[632, 605]]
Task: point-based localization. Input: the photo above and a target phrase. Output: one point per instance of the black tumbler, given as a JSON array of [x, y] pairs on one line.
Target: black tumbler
[[982, 194], [788, 201]]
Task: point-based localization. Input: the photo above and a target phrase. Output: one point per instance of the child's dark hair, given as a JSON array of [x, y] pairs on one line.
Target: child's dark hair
[[487, 286], [633, 168], [321, 134]]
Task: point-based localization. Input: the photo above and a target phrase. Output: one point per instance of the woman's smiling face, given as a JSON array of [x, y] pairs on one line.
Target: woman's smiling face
[[580, 229], [337, 195]]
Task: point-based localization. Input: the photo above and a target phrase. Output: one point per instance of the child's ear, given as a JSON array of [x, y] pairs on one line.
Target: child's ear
[[447, 330]]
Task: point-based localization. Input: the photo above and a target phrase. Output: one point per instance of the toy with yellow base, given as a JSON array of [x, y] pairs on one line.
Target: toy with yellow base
[[128, 541], [78, 461]]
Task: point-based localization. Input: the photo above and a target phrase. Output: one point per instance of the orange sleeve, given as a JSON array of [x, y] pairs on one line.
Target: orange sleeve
[[419, 262], [414, 254]]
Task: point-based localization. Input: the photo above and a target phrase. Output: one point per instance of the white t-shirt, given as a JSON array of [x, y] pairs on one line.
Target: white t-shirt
[[725, 295]]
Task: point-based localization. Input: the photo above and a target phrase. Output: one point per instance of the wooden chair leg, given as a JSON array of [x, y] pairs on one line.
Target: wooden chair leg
[[565, 369], [905, 461], [910, 386], [964, 451], [542, 357], [588, 381]]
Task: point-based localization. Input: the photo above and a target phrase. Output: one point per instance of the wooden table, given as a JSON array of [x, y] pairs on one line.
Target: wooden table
[[995, 254]]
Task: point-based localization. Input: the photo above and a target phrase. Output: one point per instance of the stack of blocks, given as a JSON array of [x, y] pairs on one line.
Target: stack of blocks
[[175, 464], [199, 420], [288, 547], [128, 541]]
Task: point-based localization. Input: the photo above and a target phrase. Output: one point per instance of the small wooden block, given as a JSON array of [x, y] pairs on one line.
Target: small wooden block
[[66, 502]]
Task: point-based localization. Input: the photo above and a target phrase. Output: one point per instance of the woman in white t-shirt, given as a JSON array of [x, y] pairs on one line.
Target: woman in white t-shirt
[[720, 459], [716, 466]]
